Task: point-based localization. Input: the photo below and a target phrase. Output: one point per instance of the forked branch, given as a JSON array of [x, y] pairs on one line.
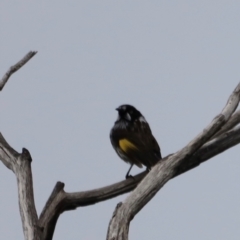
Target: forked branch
[[61, 201], [163, 172], [196, 152], [20, 164]]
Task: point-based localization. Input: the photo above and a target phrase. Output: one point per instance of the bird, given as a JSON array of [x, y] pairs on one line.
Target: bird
[[132, 139]]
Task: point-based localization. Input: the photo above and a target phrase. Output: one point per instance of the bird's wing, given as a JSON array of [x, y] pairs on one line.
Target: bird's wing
[[139, 145]]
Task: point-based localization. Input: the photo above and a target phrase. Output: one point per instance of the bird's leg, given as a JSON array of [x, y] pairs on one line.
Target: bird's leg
[[127, 175]]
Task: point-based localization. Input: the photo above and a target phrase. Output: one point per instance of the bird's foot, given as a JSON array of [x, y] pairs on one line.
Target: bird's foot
[[130, 176]]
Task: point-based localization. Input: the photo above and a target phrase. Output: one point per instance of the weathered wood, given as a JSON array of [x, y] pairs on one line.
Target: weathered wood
[[15, 67], [163, 171], [52, 210], [62, 201], [145, 185], [20, 164], [7, 153], [22, 169], [233, 121]]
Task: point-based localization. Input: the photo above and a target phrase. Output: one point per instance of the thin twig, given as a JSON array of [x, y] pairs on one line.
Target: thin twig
[[15, 67]]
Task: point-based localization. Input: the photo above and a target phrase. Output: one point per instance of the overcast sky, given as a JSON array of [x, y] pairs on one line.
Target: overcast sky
[[175, 61]]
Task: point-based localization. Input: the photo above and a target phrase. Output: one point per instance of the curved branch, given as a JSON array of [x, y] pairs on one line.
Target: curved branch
[[169, 167], [61, 201], [20, 164], [163, 171], [15, 67]]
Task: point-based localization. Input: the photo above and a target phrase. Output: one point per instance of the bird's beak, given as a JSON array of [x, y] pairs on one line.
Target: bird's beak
[[117, 109]]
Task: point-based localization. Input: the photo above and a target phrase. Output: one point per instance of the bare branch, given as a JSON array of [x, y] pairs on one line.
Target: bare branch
[[22, 169], [20, 164], [14, 68], [171, 166], [211, 149], [233, 121], [7, 153], [164, 171], [61, 201], [54, 207]]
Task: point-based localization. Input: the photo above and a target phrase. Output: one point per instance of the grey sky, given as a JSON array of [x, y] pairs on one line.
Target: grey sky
[[176, 61]]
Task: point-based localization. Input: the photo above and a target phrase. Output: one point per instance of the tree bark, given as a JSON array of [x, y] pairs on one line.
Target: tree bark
[[219, 136], [163, 171], [20, 164]]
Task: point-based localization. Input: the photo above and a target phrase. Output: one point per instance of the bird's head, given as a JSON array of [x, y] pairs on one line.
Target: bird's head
[[129, 113]]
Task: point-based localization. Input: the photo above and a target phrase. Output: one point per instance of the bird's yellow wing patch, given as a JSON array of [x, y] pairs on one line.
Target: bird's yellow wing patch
[[125, 145]]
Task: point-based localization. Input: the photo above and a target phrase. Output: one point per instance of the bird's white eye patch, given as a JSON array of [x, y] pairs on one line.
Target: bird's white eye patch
[[142, 119], [127, 116]]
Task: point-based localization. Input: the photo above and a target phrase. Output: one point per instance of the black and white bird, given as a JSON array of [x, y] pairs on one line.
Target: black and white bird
[[132, 139]]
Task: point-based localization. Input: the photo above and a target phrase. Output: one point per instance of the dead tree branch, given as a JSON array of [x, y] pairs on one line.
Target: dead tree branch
[[196, 152], [163, 172], [15, 67], [20, 164], [233, 121], [61, 201]]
